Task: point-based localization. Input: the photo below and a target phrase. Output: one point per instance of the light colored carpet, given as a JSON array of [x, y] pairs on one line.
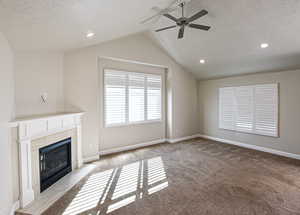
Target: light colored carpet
[[192, 177]]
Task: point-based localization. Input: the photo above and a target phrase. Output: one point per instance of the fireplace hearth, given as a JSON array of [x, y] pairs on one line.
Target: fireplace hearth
[[55, 162]]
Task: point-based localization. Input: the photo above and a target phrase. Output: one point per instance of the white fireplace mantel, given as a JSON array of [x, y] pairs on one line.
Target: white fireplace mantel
[[32, 128]]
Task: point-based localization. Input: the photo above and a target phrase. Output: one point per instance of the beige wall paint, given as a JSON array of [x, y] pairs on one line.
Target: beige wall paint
[[289, 120], [37, 73], [6, 114], [82, 87], [185, 102]]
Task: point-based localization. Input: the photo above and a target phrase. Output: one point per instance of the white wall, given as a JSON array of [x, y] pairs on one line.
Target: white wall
[[37, 73], [6, 114], [289, 117], [82, 87]]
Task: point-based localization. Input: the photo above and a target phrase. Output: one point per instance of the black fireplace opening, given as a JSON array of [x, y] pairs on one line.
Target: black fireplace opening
[[55, 162]]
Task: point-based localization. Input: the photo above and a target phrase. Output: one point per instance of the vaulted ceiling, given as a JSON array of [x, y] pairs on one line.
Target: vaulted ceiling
[[231, 47]]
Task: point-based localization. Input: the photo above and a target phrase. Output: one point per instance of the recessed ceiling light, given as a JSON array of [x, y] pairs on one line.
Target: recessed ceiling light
[[264, 45], [90, 34], [202, 61]]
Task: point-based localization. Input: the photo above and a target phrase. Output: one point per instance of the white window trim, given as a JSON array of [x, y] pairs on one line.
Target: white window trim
[[127, 123], [277, 135], [133, 123]]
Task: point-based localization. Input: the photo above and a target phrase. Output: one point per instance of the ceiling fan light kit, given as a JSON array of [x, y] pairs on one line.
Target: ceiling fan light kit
[[183, 22]]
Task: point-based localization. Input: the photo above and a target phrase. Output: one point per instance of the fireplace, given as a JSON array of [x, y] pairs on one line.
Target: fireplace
[[55, 162]]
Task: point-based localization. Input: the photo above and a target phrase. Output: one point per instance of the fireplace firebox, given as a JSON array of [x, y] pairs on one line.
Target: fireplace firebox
[[55, 162]]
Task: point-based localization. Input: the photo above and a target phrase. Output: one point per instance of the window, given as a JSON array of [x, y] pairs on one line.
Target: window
[[131, 97], [251, 109]]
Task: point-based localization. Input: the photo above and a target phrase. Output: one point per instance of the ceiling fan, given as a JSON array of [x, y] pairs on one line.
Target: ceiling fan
[[183, 22]]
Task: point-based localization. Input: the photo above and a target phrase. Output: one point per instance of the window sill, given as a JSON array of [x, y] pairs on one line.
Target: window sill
[[133, 124], [253, 133]]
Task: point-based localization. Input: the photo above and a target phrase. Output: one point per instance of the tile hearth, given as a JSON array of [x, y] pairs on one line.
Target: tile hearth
[[56, 191]]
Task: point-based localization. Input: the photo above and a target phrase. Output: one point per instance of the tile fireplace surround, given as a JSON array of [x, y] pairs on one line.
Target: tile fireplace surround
[[36, 132]]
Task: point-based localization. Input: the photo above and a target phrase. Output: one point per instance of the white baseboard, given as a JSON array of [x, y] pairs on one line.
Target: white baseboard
[[140, 145], [91, 158], [245, 145], [183, 138], [14, 207], [131, 147], [249, 146]]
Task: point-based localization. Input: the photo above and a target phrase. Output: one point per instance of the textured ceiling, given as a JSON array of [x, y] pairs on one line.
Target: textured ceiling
[[231, 47], [62, 24]]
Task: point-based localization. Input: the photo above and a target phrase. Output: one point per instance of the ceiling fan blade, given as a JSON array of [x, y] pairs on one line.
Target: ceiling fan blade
[[162, 29], [170, 17], [181, 32], [197, 15], [201, 27]]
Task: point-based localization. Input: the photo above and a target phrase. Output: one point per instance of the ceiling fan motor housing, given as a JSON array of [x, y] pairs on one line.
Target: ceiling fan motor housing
[[182, 21]]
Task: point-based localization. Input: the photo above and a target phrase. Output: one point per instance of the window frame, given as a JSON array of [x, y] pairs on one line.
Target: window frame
[[127, 123], [277, 110]]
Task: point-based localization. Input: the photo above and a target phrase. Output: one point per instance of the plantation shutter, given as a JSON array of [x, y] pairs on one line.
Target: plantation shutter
[[115, 97], [154, 97], [131, 97], [266, 109], [136, 94], [244, 108], [226, 108], [251, 109]]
